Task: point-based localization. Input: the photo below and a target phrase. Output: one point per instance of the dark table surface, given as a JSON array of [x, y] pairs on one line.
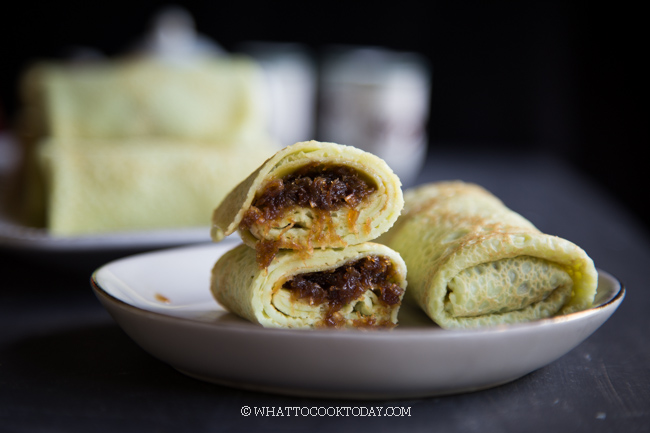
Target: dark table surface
[[66, 366]]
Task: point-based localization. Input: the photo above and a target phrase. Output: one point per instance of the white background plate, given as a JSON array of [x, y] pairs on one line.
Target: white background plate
[[162, 300]]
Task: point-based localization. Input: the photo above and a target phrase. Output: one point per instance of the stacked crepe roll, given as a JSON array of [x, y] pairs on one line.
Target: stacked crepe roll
[[307, 217], [137, 143], [473, 262]]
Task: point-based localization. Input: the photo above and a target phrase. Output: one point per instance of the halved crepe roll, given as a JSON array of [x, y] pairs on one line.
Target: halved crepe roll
[[311, 195], [474, 262], [353, 287]]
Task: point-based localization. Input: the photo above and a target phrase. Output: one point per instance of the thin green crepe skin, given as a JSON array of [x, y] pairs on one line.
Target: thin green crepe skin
[[228, 215], [162, 144], [142, 186], [451, 226], [231, 281], [208, 100], [238, 283]]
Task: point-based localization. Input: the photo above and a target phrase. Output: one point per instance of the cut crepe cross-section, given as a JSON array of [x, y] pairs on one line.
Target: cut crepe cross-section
[[353, 287], [311, 195]]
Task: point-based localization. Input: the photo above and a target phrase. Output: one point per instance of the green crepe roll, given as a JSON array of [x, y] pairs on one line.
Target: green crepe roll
[[206, 100], [358, 286], [137, 143], [311, 195], [473, 262], [141, 184]]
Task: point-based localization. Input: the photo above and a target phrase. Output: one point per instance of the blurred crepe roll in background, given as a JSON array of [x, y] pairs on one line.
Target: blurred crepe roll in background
[[311, 195], [353, 287], [147, 184], [138, 142], [474, 262], [208, 99]]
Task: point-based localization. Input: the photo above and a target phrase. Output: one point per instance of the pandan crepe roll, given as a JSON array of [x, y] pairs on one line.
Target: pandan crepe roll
[[207, 100], [140, 185], [311, 195], [353, 287], [474, 262]]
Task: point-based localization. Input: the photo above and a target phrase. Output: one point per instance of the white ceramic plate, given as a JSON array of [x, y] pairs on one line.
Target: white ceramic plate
[[162, 300], [31, 239]]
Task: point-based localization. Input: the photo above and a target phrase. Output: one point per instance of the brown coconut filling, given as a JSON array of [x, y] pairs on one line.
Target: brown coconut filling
[[320, 187], [338, 287]]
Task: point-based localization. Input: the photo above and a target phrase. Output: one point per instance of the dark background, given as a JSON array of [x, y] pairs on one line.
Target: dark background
[[548, 76]]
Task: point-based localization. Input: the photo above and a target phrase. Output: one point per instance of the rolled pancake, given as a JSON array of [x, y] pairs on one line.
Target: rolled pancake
[[474, 262], [353, 219], [282, 296], [136, 143], [136, 185], [206, 100]]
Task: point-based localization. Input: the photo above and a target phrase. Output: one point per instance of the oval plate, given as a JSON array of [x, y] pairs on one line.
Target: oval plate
[[163, 302]]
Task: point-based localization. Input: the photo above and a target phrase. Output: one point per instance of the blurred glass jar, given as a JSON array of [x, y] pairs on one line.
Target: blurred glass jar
[[377, 100]]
